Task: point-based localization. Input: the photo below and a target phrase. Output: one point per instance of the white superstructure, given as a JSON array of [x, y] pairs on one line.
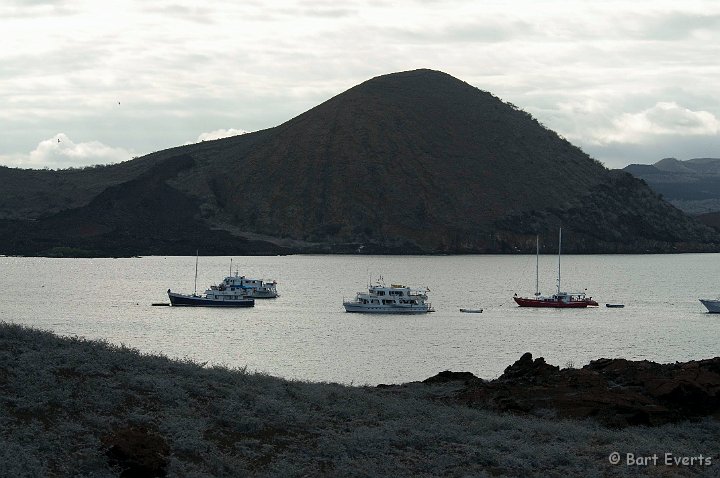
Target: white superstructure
[[396, 299], [255, 288]]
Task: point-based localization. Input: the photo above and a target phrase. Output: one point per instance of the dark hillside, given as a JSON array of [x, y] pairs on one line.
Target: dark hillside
[[30, 193], [620, 215], [711, 219], [418, 155], [411, 162], [141, 216]]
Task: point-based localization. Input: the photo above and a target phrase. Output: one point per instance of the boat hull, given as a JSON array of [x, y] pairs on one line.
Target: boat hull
[[713, 306], [383, 309], [557, 304], [183, 300]]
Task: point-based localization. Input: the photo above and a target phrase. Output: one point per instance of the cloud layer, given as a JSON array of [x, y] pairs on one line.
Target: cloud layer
[[61, 152], [610, 76], [665, 118]]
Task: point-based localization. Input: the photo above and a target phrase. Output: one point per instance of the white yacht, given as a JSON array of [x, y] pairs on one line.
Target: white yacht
[[396, 299], [255, 288]]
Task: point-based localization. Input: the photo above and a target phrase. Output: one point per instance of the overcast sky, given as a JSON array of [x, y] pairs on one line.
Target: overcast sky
[[628, 81]]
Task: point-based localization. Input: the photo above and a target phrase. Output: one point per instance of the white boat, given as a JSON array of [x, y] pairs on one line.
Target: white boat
[[396, 299], [229, 293], [712, 305], [255, 288]]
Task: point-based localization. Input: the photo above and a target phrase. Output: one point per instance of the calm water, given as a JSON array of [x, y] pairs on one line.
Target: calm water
[[305, 333]]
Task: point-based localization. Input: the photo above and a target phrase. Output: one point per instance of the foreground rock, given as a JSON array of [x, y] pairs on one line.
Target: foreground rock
[[617, 392]]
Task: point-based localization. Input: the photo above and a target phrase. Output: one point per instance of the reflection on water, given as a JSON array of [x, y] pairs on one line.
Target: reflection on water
[[306, 334]]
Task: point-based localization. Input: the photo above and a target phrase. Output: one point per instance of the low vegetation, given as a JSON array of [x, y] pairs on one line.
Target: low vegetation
[[72, 407]]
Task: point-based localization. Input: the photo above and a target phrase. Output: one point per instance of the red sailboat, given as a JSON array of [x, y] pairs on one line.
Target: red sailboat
[[565, 300]]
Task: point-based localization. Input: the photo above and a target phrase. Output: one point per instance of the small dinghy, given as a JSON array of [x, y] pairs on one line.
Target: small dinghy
[[615, 306], [471, 311]]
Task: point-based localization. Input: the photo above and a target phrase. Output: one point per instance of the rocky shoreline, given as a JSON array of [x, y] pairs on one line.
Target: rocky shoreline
[[615, 392]]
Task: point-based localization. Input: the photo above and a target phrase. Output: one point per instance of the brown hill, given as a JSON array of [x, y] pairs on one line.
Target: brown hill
[[409, 162]]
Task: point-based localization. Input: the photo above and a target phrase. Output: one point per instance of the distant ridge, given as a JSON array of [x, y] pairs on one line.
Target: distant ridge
[[692, 185], [410, 162]]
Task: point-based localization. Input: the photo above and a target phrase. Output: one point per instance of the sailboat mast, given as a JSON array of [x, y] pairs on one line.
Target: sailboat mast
[[197, 254], [559, 248], [537, 265]]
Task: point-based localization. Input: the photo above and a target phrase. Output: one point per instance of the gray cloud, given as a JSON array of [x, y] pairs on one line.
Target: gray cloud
[[678, 25], [18, 9]]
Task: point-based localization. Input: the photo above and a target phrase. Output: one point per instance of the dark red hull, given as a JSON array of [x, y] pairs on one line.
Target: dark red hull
[[558, 304]]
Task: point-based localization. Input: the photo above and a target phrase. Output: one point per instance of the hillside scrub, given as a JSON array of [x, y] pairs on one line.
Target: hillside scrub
[[74, 407], [414, 162]]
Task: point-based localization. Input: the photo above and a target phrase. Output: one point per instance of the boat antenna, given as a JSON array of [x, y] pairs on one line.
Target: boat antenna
[[230, 267], [197, 254], [559, 248]]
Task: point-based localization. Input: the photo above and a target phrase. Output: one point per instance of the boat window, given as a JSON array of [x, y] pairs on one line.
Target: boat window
[[375, 301]]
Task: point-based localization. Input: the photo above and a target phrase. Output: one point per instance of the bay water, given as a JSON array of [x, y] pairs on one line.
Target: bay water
[[305, 333]]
